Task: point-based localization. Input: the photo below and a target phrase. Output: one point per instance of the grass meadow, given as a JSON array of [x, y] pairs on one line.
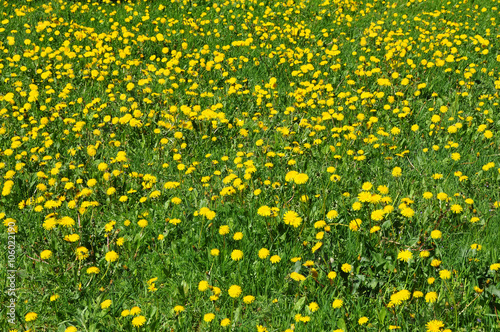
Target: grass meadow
[[250, 165]]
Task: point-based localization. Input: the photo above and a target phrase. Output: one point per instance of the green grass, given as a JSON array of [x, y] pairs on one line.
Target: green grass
[[190, 116]]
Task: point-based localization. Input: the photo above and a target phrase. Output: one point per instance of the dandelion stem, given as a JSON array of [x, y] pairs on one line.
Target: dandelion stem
[[201, 230], [105, 272]]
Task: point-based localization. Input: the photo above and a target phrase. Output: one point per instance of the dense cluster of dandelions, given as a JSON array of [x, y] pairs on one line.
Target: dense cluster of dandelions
[[245, 157]]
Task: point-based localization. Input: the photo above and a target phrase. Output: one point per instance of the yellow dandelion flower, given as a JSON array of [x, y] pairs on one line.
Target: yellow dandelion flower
[[178, 309], [236, 255], [290, 176], [275, 259], [396, 172], [431, 297], [264, 211], [405, 255], [356, 206], [46, 254], [111, 256], [427, 195], [445, 274], [313, 306], [436, 234], [66, 222], [135, 311], [435, 263], [495, 267], [82, 253], [456, 208], [209, 317], [248, 299], [297, 276], [301, 178], [418, 294], [292, 218], [377, 215], [30, 316], [234, 291], [263, 253], [442, 196], [93, 270], [408, 212], [354, 225], [138, 321], [337, 303], [72, 238], [363, 320], [434, 326], [106, 304], [261, 328], [203, 285], [224, 229], [424, 254], [346, 267], [332, 214], [399, 297], [174, 221]]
